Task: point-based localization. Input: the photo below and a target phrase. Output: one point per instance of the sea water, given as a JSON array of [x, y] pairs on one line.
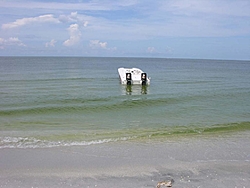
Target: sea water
[[68, 101]]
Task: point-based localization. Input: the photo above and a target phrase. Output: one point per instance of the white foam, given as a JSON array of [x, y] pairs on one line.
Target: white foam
[[26, 142]]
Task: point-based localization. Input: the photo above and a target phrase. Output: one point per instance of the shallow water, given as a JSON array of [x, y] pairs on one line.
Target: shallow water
[[59, 101]]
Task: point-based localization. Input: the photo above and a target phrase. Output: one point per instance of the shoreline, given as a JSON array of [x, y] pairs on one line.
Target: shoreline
[[219, 161]]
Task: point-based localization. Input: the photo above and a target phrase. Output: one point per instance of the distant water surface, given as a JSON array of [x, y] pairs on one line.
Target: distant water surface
[[65, 101]]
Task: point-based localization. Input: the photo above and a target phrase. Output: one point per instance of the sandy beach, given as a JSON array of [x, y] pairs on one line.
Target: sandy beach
[[212, 161]]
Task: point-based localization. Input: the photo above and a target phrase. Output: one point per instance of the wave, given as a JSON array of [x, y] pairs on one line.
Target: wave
[[85, 105], [43, 103], [95, 104], [191, 130], [26, 142], [111, 136]]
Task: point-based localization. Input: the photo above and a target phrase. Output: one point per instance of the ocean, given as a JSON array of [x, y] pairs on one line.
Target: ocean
[[68, 122], [49, 102]]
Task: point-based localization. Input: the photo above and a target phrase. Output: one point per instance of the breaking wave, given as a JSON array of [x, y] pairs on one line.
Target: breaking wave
[[103, 137], [26, 142]]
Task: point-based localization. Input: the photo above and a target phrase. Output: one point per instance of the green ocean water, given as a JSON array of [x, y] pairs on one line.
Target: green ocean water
[[66, 101]]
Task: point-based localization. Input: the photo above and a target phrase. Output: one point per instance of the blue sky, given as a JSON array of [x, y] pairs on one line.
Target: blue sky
[[206, 29]]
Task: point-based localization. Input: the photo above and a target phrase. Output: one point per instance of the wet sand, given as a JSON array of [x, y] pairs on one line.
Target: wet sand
[[199, 161]]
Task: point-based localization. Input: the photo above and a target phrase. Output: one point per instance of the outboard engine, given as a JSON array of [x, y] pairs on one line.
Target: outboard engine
[[144, 79], [129, 78]]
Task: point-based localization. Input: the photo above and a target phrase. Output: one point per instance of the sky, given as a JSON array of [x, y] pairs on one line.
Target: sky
[[199, 29]]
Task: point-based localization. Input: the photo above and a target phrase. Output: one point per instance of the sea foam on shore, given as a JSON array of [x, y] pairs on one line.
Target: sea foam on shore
[[213, 161]]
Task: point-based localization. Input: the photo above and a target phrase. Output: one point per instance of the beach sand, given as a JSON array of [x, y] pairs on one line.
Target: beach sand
[[198, 161]]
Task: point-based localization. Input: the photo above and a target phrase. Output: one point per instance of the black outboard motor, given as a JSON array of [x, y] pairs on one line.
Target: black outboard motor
[[129, 78], [144, 79]]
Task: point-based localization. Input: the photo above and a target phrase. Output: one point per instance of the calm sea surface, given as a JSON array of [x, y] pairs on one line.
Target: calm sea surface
[[66, 101]]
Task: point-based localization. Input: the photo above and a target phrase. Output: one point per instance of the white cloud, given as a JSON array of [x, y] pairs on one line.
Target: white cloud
[[154, 51], [97, 44], [75, 35], [68, 18], [85, 24], [73, 17], [12, 41], [51, 43], [151, 49], [25, 21]]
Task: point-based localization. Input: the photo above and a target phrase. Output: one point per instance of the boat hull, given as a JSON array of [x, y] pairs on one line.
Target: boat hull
[[133, 76]]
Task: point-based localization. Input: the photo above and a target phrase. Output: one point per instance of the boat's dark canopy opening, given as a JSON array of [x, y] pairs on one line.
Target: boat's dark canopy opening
[[144, 78], [129, 78]]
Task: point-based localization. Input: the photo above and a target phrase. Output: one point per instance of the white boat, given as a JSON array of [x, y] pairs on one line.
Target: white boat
[[133, 76]]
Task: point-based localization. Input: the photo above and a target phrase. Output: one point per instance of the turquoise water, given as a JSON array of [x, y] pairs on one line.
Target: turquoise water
[[65, 101]]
